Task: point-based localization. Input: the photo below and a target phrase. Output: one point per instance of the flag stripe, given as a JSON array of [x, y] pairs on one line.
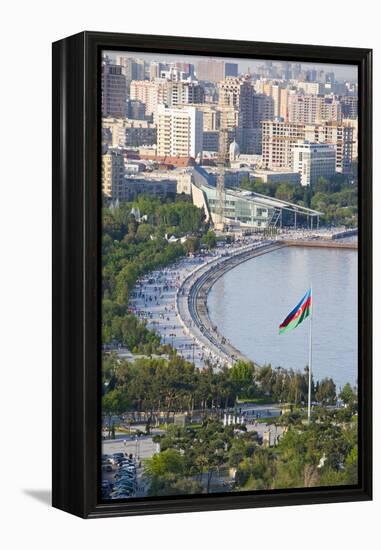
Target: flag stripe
[[293, 324], [292, 313], [299, 311], [298, 314]]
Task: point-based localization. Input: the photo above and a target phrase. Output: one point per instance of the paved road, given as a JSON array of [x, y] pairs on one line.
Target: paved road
[[159, 296], [142, 448], [154, 300], [192, 297]]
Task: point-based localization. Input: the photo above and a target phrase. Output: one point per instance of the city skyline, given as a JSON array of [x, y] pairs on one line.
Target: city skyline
[[342, 72], [210, 175]]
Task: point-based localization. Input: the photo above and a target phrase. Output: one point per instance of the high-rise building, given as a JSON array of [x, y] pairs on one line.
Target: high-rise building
[[181, 92], [113, 186], [353, 123], [186, 68], [235, 100], [277, 141], [179, 131], [279, 137], [329, 109], [114, 92], [296, 70], [313, 160], [155, 69], [151, 93], [313, 109], [226, 136], [302, 109], [276, 90], [349, 106], [210, 140], [210, 70], [136, 109], [174, 74], [231, 69], [312, 88], [133, 69], [210, 116], [284, 94], [237, 93], [336, 134], [263, 109]]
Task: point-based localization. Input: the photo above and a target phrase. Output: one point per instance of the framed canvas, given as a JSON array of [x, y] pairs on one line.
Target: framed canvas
[[211, 274]]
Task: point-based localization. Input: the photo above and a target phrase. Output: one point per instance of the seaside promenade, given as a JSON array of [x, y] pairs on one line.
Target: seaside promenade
[[173, 300]]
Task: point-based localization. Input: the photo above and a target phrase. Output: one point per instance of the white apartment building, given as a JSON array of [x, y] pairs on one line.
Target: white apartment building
[[279, 137], [336, 134], [179, 131], [313, 160]]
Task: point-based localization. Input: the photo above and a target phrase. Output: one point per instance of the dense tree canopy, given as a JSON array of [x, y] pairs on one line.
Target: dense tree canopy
[[132, 247]]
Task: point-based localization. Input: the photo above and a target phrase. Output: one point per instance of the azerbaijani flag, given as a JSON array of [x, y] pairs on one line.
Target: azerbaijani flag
[[300, 312]]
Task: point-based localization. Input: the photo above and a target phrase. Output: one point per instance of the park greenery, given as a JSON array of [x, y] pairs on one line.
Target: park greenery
[[323, 452], [170, 385], [337, 197], [160, 385], [131, 249]]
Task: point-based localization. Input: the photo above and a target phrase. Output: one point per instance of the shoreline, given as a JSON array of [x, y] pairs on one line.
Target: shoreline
[[198, 284], [174, 299], [191, 300], [322, 244]]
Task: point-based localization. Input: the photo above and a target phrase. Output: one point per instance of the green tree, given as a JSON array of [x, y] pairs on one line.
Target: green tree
[[192, 244], [209, 239], [348, 394], [114, 403], [284, 192], [167, 462], [242, 376], [326, 391]]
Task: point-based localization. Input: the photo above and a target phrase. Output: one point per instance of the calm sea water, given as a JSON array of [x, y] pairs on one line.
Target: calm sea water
[[249, 302]]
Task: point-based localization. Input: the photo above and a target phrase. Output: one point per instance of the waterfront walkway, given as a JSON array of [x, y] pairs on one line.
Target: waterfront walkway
[[173, 300], [154, 300], [192, 300]]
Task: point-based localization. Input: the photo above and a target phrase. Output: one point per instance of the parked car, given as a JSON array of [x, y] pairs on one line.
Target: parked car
[[117, 457]]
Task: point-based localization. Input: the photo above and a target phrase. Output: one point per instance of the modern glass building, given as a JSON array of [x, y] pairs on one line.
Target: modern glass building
[[245, 208]]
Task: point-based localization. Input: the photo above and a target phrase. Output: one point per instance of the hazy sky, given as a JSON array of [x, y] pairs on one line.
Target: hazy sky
[[342, 72]]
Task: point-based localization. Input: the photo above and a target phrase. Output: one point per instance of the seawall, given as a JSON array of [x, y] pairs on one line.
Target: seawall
[[322, 244], [191, 300]]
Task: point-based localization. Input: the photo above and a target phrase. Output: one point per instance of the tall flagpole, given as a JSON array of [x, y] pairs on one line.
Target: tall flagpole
[[310, 364]]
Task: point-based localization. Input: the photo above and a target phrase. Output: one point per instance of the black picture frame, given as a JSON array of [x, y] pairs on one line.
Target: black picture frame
[[76, 272]]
